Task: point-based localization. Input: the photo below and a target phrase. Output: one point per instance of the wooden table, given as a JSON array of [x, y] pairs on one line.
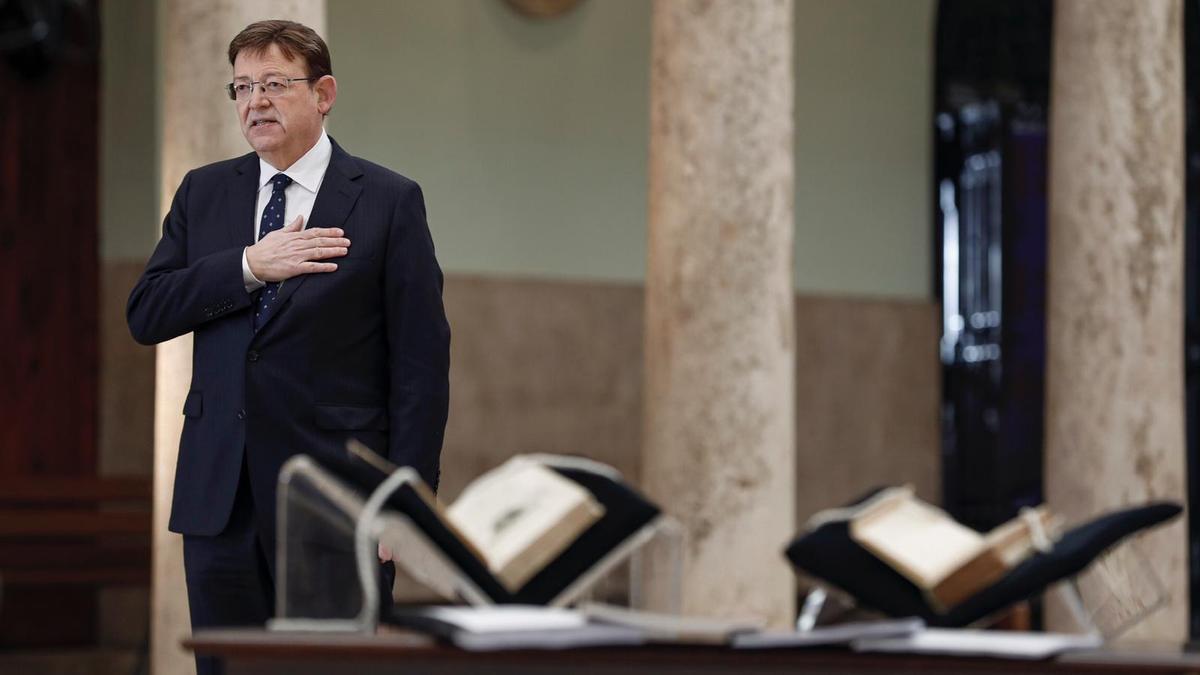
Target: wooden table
[[245, 651]]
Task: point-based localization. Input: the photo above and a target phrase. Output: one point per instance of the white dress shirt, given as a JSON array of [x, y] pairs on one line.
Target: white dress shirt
[[306, 174]]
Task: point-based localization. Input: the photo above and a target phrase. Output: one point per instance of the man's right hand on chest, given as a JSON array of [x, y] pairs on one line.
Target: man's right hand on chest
[[292, 251]]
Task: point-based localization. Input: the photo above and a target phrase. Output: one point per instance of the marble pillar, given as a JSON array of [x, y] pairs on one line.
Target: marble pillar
[[1114, 403], [719, 435], [198, 126]]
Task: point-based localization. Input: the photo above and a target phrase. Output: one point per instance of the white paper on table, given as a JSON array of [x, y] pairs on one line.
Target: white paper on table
[[829, 635], [998, 644]]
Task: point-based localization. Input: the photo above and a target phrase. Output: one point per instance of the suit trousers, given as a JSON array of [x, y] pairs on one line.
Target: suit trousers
[[231, 576]]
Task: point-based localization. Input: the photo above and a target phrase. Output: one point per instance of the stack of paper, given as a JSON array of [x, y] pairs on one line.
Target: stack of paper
[[513, 627], [838, 634], [672, 628], [996, 644]]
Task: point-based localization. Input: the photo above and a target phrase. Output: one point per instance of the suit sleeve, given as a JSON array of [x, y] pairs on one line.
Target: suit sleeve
[[173, 296], [418, 342]]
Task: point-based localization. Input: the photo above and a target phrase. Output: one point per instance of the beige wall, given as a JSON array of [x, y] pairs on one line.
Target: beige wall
[[129, 223], [864, 100], [128, 229], [129, 215], [530, 138]]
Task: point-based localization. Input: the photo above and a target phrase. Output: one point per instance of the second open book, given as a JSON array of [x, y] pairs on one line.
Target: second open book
[[949, 561], [515, 518]]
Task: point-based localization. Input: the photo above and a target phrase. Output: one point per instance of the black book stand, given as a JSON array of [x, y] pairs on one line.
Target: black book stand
[[828, 553], [334, 513]]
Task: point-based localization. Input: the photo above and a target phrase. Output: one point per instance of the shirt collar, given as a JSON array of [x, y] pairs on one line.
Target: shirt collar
[[307, 171]]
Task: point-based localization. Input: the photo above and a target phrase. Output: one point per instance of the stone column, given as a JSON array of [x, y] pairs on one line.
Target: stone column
[[199, 125], [719, 442], [1114, 404]]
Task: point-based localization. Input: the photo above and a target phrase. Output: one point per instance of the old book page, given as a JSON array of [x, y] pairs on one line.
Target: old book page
[[948, 560], [521, 515], [918, 540]]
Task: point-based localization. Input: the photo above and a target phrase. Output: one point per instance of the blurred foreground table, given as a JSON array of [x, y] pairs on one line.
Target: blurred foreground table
[[245, 651]]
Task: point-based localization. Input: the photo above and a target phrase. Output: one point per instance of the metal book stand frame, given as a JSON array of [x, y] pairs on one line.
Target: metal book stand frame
[[318, 512]]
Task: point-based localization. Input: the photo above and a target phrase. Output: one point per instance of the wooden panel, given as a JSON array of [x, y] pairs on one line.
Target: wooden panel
[[48, 258], [81, 576], [68, 489], [39, 523], [133, 552], [49, 279], [47, 616]]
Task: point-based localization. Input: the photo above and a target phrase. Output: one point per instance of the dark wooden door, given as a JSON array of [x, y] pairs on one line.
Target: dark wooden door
[[49, 297]]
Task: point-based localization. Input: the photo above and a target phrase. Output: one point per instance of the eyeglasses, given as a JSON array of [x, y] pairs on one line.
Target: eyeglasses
[[271, 87]]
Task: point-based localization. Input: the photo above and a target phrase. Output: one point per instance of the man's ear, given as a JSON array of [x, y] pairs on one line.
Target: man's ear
[[326, 88]]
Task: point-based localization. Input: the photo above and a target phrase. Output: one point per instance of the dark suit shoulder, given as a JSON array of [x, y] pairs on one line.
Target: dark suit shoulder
[[220, 172], [383, 177], [379, 180], [227, 165]]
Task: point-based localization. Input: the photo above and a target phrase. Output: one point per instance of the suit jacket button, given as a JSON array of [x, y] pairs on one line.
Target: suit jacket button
[[252, 355], [241, 414]]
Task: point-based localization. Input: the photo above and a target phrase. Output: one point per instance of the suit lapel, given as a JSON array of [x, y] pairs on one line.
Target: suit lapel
[[335, 200], [242, 198]]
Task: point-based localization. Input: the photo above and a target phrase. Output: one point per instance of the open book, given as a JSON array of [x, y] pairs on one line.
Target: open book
[[515, 518], [949, 561]]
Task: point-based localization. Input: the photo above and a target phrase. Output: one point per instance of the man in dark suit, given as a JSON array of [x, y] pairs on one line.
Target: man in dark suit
[[308, 279]]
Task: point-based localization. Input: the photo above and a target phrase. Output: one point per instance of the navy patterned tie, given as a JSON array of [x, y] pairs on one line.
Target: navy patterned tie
[[272, 219]]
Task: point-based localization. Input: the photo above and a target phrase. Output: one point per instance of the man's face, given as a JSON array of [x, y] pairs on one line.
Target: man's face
[[281, 128]]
